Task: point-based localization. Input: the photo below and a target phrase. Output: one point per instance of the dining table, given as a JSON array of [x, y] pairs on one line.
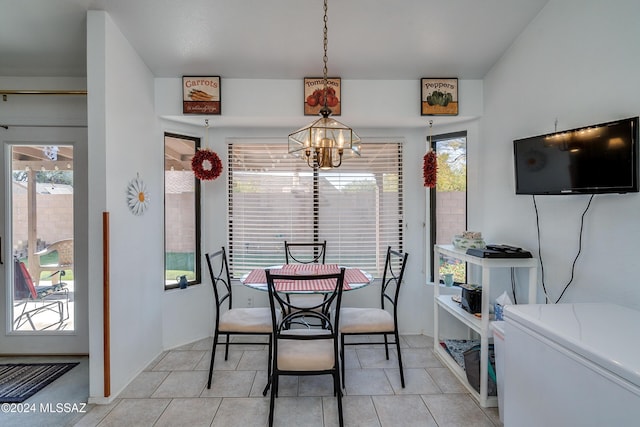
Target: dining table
[[354, 278]]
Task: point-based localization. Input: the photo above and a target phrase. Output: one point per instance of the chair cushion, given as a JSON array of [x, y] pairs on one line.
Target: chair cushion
[[247, 320], [305, 355], [363, 320], [44, 291]]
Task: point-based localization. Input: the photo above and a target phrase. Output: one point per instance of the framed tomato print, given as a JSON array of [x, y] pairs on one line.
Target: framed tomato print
[[314, 95]]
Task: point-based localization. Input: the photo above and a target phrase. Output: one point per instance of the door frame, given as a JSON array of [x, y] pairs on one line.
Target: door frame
[[50, 341]]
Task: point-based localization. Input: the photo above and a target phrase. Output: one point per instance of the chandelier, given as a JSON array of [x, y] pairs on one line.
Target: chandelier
[[325, 142]]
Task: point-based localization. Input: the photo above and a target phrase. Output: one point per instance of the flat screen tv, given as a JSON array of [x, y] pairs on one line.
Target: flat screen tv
[[590, 160]]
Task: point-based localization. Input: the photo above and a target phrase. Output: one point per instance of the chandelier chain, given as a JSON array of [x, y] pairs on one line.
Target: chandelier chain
[[326, 42], [206, 134], [324, 142]]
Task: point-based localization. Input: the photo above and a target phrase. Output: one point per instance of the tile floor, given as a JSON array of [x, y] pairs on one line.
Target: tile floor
[[172, 392]]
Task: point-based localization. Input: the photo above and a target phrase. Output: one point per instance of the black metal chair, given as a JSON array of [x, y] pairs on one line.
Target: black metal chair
[[305, 253], [234, 321], [305, 351], [377, 321]]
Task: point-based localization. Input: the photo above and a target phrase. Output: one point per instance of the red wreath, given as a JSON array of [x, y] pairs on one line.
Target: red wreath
[[430, 169], [198, 165]]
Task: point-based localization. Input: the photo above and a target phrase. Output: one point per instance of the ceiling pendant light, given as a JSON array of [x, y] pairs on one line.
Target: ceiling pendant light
[[325, 142]]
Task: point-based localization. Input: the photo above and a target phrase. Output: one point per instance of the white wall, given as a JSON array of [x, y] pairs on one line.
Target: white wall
[[577, 62], [124, 141], [187, 314], [21, 110], [243, 117], [261, 104]]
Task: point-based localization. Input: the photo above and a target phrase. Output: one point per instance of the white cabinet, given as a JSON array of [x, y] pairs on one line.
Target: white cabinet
[[478, 325], [579, 363]]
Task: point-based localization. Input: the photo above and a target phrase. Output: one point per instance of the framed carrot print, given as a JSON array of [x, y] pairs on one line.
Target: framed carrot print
[[201, 95]]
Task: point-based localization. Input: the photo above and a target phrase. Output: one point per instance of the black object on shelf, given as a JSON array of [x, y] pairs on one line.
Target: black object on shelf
[[499, 251], [472, 369], [471, 298]]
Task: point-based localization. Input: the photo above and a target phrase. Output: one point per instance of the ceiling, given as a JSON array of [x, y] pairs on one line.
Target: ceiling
[[271, 39]]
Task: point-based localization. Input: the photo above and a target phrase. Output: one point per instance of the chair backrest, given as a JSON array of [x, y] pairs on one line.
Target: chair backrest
[[64, 248], [321, 311], [220, 279], [305, 253], [22, 282], [65, 252], [394, 266]]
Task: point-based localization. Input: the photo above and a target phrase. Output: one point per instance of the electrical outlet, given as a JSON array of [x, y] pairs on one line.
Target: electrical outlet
[[250, 302]]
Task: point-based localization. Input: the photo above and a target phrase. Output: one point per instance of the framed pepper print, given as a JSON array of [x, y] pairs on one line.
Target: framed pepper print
[[439, 97]]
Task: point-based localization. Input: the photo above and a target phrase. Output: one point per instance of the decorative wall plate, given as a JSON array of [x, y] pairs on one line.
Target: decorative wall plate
[[137, 196]]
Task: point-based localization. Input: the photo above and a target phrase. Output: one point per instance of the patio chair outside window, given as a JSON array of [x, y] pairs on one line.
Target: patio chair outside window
[[64, 250], [37, 299]]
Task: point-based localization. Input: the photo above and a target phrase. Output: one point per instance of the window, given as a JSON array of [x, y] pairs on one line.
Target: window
[[41, 202], [273, 196], [449, 199], [181, 211]]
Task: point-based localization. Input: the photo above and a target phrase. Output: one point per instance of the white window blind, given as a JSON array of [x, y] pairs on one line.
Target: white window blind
[[273, 196]]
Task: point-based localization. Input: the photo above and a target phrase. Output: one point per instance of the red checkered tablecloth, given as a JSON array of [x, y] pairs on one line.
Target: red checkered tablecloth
[[351, 275]]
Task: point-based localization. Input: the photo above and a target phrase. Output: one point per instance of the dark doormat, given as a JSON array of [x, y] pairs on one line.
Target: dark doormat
[[20, 381]]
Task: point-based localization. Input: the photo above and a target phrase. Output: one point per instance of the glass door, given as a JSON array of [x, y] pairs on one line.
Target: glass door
[[42, 237], [44, 294]]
